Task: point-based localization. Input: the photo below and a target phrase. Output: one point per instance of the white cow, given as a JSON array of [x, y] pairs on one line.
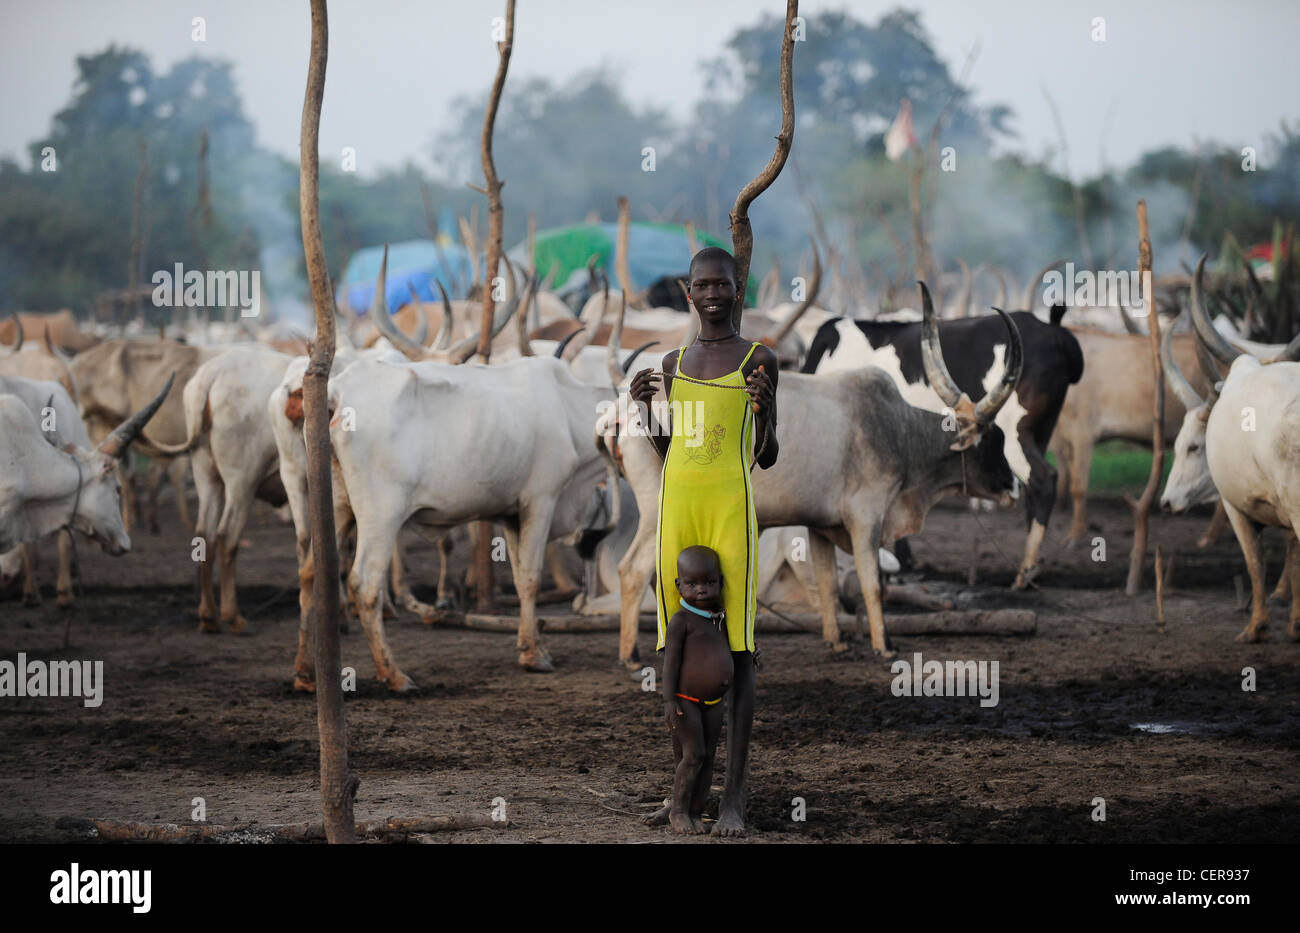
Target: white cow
[[55, 409], [444, 445], [1249, 440], [232, 449], [44, 488]]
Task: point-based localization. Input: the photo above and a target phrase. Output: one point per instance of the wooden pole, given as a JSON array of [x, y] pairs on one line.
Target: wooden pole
[[492, 185], [137, 219], [1160, 589], [392, 829], [1142, 508], [483, 582], [337, 784], [621, 269], [742, 235]]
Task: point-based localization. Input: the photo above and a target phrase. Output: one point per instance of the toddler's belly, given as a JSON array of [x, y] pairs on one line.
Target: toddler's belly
[[706, 670]]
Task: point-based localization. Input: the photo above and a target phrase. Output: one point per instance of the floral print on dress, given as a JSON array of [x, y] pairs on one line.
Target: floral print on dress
[[705, 446]]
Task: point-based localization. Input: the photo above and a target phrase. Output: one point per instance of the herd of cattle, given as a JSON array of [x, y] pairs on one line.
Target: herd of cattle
[[879, 420]]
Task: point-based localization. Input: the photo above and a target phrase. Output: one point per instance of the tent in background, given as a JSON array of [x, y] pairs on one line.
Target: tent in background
[[653, 251], [413, 263]]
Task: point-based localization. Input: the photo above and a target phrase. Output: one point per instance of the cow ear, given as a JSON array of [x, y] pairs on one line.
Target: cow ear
[[968, 429], [965, 440]]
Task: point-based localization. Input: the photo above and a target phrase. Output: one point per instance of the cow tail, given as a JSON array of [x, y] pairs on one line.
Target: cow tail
[[197, 417], [604, 444], [1073, 355]]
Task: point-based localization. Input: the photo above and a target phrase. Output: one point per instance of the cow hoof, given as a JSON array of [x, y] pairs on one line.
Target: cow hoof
[[240, 626], [400, 683], [837, 646], [64, 600], [1274, 601], [1203, 543], [887, 653], [1249, 637], [445, 603], [31, 600], [304, 684], [209, 627], [536, 662], [631, 665], [1073, 543]]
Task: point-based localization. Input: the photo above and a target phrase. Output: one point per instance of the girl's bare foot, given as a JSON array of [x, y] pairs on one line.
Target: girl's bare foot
[[730, 822], [681, 822]]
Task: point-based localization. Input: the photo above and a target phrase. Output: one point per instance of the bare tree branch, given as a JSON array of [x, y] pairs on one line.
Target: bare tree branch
[[742, 235]]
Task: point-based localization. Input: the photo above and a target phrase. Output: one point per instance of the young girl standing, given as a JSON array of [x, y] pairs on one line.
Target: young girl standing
[[729, 385]]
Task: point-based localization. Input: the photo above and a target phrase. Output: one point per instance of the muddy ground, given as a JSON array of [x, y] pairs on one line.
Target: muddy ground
[[578, 753]]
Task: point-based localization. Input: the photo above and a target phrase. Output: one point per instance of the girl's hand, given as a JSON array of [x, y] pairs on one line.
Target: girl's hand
[[672, 711], [759, 387], [644, 385]]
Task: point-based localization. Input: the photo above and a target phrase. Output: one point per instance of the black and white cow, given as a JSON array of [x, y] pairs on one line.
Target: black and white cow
[[975, 350]]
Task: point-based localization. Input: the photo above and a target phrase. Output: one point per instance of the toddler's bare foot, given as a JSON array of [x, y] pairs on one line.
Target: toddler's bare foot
[[658, 818]]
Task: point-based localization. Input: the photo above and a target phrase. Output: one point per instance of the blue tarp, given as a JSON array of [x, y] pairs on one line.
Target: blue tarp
[[412, 264]]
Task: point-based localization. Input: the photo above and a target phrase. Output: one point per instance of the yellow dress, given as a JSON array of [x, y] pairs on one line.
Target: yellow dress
[[705, 497]]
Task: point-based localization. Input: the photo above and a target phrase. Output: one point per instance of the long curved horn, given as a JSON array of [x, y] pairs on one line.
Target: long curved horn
[[963, 293], [621, 270], [788, 324], [591, 326], [1031, 287], [549, 281], [1174, 376], [559, 350], [1290, 354], [1209, 365], [384, 324], [1130, 325], [421, 335], [936, 371], [18, 339], [627, 363], [521, 316], [443, 340], [987, 408], [996, 272], [116, 443], [615, 343], [501, 315], [1214, 341]]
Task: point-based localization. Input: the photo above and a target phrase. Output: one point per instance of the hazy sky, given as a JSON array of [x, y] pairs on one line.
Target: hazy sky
[[1171, 69]]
